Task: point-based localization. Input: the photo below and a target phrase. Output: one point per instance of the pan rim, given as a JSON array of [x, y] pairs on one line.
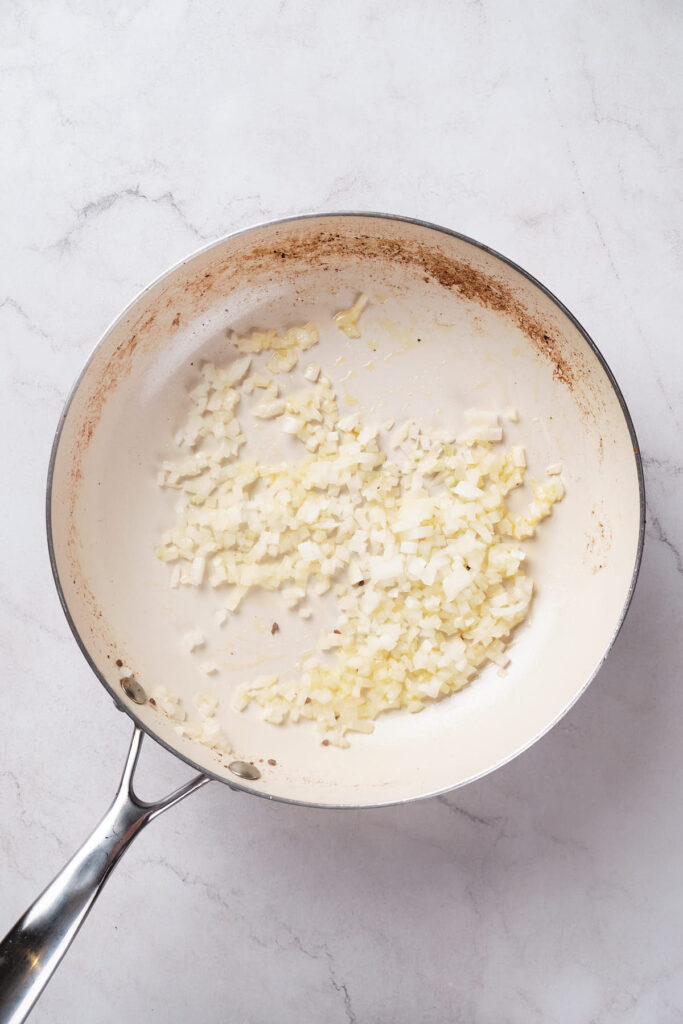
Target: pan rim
[[371, 215]]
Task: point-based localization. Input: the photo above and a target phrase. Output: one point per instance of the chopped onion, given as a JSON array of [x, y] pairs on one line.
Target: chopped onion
[[417, 543], [347, 319]]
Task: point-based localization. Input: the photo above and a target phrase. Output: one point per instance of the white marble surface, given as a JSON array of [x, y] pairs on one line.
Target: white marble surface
[[132, 132]]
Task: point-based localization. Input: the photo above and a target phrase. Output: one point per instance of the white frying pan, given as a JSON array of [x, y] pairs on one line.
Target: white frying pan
[[489, 336]]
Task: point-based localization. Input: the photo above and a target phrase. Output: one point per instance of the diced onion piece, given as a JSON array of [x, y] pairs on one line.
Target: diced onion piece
[[269, 410], [206, 704], [283, 361], [193, 640], [347, 319], [238, 370]]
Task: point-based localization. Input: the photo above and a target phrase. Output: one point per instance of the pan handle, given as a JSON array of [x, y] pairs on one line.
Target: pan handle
[[32, 950]]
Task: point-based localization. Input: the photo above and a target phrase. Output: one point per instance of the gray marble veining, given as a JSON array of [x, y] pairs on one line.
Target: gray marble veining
[[132, 133]]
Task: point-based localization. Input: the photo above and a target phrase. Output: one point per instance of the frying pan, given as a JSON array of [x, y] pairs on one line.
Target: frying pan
[[451, 324]]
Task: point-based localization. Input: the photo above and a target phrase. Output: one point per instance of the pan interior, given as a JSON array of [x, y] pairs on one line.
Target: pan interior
[[488, 337]]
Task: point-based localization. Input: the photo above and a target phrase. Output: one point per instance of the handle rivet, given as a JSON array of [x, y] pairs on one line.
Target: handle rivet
[[244, 770], [132, 688]]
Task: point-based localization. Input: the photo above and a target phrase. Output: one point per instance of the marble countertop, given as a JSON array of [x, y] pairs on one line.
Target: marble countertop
[[550, 891]]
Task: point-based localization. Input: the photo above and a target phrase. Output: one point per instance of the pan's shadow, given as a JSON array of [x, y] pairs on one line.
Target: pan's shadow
[[587, 771], [595, 756], [560, 827]]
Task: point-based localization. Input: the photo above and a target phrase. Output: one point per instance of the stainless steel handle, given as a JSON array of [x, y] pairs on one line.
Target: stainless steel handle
[[32, 950]]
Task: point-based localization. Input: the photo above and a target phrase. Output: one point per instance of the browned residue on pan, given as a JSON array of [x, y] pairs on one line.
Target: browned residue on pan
[[486, 291], [470, 282], [179, 302], [327, 249], [598, 541], [120, 364]]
